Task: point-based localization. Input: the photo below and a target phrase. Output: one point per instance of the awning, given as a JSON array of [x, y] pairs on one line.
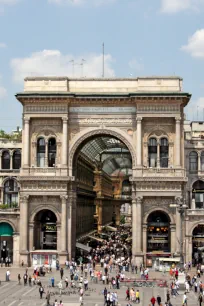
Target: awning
[[83, 247], [111, 228], [96, 238]]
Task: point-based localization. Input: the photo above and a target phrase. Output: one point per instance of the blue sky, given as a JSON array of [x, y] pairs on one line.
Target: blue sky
[[142, 38]]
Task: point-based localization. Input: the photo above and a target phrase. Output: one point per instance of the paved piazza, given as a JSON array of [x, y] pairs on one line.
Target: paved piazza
[[13, 294]]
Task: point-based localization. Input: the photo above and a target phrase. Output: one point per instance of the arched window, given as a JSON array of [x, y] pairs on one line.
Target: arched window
[[193, 162], [6, 160], [11, 193], [164, 153], [202, 161], [152, 152], [41, 152], [52, 152], [17, 159]]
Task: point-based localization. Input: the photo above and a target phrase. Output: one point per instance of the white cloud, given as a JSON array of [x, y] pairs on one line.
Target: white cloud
[[195, 109], [8, 2], [82, 2], [195, 45], [53, 62], [136, 65], [175, 6], [3, 92], [2, 45]]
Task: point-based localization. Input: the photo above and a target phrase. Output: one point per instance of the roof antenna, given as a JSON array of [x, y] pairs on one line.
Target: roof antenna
[[103, 62]]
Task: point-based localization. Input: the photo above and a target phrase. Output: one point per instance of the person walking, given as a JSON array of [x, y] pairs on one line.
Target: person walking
[[137, 295], [19, 279], [200, 299], [60, 304], [158, 300], [60, 287], [185, 299], [153, 300], [8, 276], [61, 273], [55, 303], [41, 291], [127, 294], [48, 298]]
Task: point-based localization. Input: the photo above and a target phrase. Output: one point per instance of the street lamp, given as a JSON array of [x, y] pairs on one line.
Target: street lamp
[[181, 209]]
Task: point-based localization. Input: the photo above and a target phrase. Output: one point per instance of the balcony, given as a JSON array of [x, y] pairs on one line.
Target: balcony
[[44, 171], [195, 212], [167, 173]]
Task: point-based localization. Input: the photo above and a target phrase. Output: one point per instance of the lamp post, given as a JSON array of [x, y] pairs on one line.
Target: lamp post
[[181, 209]]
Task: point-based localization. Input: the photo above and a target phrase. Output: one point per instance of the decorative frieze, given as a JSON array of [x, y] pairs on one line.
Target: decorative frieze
[[45, 109], [99, 121], [158, 108]]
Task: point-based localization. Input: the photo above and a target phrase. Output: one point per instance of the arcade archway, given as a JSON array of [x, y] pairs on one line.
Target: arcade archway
[[101, 163], [158, 232], [198, 244], [6, 241], [45, 230]]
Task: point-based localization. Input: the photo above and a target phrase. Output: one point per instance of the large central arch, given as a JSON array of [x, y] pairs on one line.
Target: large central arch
[[90, 132]]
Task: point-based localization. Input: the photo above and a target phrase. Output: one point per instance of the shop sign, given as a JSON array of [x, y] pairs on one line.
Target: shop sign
[[50, 228]]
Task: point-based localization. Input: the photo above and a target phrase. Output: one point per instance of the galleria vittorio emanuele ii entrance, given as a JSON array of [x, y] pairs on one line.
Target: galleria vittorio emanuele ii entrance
[[91, 146]]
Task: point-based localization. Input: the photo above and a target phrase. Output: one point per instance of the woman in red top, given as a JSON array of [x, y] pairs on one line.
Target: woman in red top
[[153, 300]]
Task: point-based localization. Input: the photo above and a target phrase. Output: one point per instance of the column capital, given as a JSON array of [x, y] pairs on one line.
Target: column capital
[[64, 198], [11, 153], [24, 199], [139, 200], [139, 119], [26, 119], [178, 119], [65, 119]]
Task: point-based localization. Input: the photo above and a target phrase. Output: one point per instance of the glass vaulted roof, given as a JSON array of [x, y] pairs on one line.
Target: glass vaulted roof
[[110, 153]]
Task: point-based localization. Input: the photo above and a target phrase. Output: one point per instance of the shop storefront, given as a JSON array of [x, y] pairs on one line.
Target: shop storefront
[[198, 244], [39, 258], [6, 241]]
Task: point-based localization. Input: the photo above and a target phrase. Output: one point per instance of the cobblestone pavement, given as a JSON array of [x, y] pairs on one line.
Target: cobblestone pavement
[[12, 294]]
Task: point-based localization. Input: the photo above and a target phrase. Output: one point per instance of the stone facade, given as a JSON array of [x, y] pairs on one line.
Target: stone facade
[[147, 115]]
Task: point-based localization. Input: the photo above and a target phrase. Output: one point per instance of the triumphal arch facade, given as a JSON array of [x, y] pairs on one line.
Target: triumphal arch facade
[[91, 145]]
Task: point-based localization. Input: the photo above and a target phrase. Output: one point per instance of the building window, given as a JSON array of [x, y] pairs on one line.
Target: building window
[[41, 152], [202, 161], [198, 194], [152, 152], [164, 153], [193, 162], [11, 193], [5, 160], [17, 159], [52, 152]]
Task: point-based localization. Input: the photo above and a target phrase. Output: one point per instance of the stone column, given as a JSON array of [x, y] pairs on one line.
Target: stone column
[[117, 215], [100, 215], [158, 154], [199, 162], [24, 228], [134, 227], [11, 160], [16, 260], [173, 238], [58, 237], [139, 224], [139, 141], [26, 142], [0, 160], [178, 227], [144, 233], [177, 152], [64, 141], [46, 154], [31, 236], [64, 223]]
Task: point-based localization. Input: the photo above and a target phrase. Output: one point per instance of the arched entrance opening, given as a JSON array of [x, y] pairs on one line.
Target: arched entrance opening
[[198, 244], [100, 165], [198, 194], [45, 230], [6, 241], [158, 232]]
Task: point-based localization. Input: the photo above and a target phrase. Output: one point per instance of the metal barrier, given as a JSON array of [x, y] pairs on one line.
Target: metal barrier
[[145, 283]]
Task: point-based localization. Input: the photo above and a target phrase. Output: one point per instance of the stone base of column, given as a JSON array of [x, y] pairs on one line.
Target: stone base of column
[[25, 256], [138, 259], [63, 256]]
